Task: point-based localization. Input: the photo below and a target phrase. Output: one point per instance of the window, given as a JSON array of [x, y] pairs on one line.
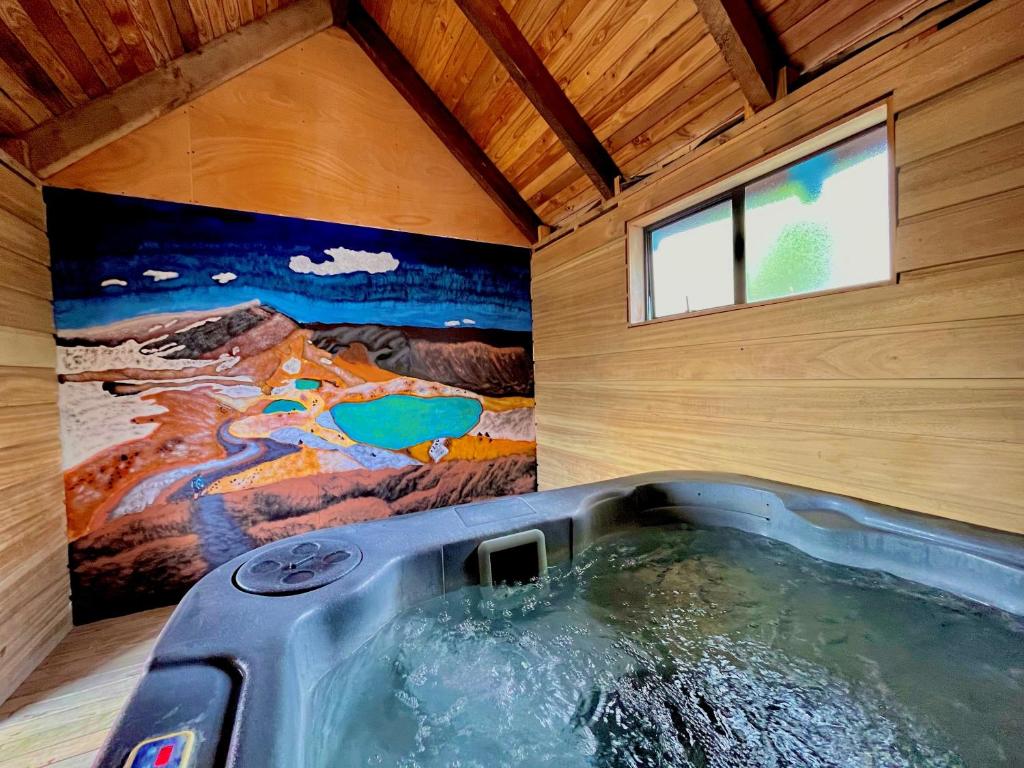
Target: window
[[821, 223]]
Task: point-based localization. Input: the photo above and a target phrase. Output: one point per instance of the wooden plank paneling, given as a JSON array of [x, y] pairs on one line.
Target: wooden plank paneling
[[987, 348], [525, 67], [436, 115], [59, 142], [18, 91], [972, 481], [28, 275], [980, 168], [982, 106], [23, 237], [14, 17], [993, 412], [70, 72], [907, 394], [38, 598], [20, 348], [68, 52], [983, 227], [20, 386], [23, 201], [33, 548], [921, 62], [968, 291], [44, 460], [811, 32], [24, 311]]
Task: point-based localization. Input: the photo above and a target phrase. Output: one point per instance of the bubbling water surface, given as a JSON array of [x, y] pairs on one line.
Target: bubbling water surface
[[683, 646]]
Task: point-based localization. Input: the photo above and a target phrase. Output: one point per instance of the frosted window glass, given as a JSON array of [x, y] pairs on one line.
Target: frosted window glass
[[822, 223], [692, 262]]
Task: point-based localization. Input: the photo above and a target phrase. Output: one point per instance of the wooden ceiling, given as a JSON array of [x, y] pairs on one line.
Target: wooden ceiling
[[551, 104], [647, 76], [811, 33], [58, 54]]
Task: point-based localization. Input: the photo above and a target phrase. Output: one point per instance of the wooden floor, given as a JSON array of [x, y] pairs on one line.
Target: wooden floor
[[60, 715]]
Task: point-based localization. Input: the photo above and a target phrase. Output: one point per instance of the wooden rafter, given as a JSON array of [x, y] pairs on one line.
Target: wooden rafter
[[62, 140], [525, 67], [745, 47], [436, 115]]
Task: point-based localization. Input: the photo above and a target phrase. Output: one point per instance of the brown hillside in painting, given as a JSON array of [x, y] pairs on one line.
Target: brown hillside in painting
[[221, 431]]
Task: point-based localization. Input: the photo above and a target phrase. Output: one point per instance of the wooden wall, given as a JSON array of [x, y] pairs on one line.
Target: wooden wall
[[908, 394], [34, 603], [315, 132]]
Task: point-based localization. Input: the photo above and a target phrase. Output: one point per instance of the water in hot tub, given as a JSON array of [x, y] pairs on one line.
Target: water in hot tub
[[684, 647]]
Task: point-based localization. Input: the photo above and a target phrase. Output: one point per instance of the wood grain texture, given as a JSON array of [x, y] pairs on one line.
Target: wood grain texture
[[811, 32], [62, 713], [26, 275], [744, 45], [69, 52], [619, 64], [63, 139], [523, 64], [983, 106], [906, 394], [291, 137], [22, 386], [404, 78], [33, 549], [616, 60], [153, 161], [970, 171], [983, 227], [19, 348], [923, 60], [22, 200]]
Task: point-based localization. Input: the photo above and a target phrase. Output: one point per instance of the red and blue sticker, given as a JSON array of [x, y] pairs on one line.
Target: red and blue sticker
[[170, 751]]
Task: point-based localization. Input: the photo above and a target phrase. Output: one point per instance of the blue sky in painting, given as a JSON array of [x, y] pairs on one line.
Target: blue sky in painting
[[96, 238]]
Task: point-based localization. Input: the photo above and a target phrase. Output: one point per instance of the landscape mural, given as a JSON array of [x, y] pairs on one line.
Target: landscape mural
[[228, 379]]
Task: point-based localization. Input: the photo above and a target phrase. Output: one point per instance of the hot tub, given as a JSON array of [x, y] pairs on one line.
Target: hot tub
[[374, 644]]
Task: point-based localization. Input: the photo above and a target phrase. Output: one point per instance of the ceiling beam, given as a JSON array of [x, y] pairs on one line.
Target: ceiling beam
[[435, 114], [525, 67], [60, 141], [746, 48]]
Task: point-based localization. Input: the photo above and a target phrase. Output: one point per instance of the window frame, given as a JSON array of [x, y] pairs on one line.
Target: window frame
[[640, 293]]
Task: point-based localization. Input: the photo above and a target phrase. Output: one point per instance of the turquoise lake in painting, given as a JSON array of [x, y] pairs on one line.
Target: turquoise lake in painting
[[399, 421]]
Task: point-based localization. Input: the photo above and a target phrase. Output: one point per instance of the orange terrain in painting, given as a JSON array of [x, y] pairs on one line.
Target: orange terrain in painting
[[241, 449]]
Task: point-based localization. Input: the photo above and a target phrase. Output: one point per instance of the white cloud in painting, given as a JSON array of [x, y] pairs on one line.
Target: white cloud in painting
[[160, 275], [467, 321], [224, 277], [452, 323], [343, 261], [111, 281]]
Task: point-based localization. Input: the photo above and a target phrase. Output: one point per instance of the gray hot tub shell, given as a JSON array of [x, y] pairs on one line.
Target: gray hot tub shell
[[235, 667]]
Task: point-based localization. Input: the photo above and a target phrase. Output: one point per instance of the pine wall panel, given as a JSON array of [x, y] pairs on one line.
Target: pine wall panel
[[909, 394], [33, 545]]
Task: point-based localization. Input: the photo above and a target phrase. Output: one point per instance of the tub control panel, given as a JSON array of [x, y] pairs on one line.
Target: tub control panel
[[180, 716], [170, 751]]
